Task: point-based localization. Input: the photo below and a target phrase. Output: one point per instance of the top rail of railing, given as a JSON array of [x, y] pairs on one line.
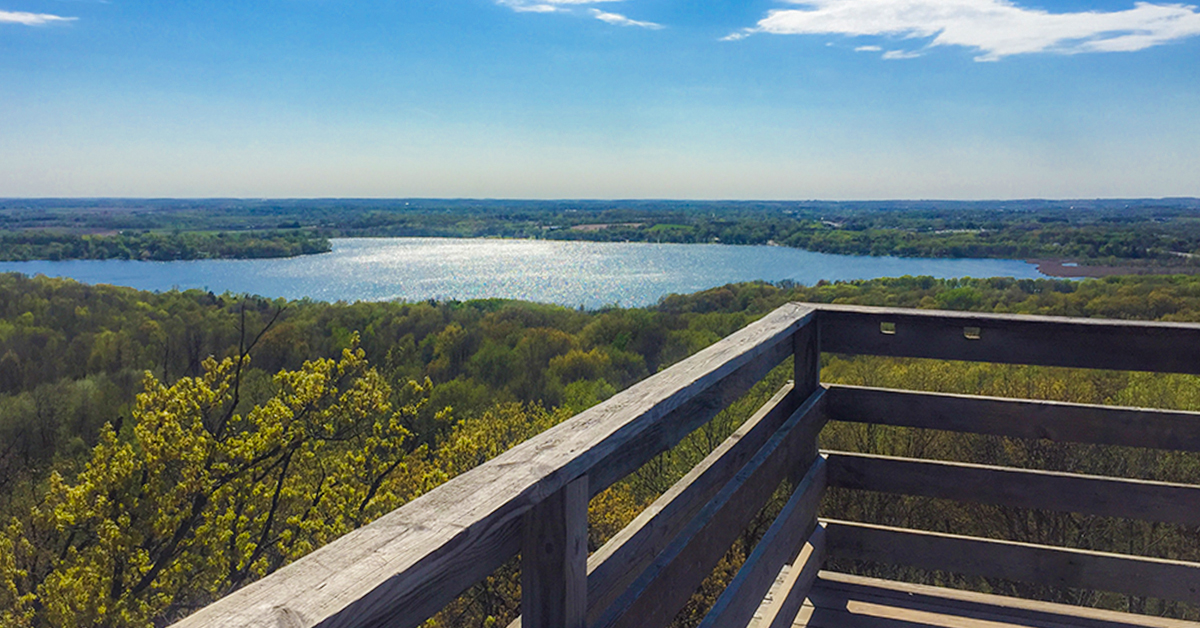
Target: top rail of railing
[[1011, 338], [407, 565]]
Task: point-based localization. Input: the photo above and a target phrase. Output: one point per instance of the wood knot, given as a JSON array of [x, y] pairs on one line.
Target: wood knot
[[288, 618]]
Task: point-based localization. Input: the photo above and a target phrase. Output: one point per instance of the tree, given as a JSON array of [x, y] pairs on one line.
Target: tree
[[196, 498]]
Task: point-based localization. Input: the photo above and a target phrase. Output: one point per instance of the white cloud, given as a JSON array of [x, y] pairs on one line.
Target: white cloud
[[621, 20], [576, 7], [901, 54], [31, 19], [545, 6], [997, 28], [535, 8], [868, 49]]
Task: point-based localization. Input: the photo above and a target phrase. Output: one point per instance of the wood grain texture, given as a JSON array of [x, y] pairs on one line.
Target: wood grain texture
[[1014, 339], [701, 405], [554, 559], [870, 611], [736, 605], [1026, 562], [663, 588], [797, 584], [1019, 418], [1019, 488], [836, 590], [402, 568]]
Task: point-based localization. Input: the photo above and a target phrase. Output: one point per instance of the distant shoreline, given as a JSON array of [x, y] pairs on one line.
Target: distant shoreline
[[1069, 269]]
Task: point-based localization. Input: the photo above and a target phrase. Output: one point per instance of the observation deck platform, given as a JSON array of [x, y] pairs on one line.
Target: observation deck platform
[[532, 501]]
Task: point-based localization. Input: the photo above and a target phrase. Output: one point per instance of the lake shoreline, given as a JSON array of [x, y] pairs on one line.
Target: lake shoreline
[[588, 274], [1064, 268], [1070, 269]]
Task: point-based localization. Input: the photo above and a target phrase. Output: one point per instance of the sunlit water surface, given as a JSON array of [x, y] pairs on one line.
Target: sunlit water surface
[[569, 273]]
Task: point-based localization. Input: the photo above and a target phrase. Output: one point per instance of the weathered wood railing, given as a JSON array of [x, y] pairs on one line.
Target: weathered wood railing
[[1081, 343], [532, 500]]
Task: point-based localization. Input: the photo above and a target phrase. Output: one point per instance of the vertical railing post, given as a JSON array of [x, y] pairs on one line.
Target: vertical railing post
[[806, 380], [811, 555], [807, 374], [554, 560]]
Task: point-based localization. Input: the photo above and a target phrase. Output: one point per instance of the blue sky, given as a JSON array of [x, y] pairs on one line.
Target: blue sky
[[829, 99]]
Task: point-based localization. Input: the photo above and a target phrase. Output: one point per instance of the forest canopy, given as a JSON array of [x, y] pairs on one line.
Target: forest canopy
[[49, 245], [158, 450]]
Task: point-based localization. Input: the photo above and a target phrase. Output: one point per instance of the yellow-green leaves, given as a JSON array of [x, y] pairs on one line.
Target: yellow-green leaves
[[209, 493]]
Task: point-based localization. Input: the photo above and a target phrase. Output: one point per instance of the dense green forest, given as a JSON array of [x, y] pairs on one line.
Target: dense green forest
[[160, 450], [30, 245], [1147, 234]]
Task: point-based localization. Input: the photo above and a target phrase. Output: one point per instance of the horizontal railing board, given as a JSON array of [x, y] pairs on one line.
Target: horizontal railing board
[[1010, 560], [665, 586], [1018, 418], [1018, 488], [404, 567], [615, 565], [669, 429], [788, 533], [1014, 339]]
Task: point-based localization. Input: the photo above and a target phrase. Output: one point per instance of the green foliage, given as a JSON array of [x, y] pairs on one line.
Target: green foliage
[[30, 245], [127, 499], [195, 498]]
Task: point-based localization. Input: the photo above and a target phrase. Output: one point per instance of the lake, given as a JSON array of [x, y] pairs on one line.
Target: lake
[[591, 274]]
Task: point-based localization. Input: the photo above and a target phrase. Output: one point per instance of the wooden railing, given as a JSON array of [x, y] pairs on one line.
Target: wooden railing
[[1080, 343], [532, 500]]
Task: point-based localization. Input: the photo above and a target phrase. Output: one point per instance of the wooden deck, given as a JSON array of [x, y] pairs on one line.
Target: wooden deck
[[532, 500], [839, 600]]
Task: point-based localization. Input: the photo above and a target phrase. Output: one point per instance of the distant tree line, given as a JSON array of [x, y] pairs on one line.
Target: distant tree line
[[1171, 243], [1158, 233], [47, 245]]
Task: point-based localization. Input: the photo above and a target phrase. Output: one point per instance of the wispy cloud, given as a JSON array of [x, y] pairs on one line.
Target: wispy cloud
[[901, 54], [534, 8], [31, 19], [868, 49], [577, 7], [996, 28], [621, 20], [546, 6]]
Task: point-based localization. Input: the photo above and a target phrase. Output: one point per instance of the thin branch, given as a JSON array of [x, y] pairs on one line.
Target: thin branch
[[218, 431]]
